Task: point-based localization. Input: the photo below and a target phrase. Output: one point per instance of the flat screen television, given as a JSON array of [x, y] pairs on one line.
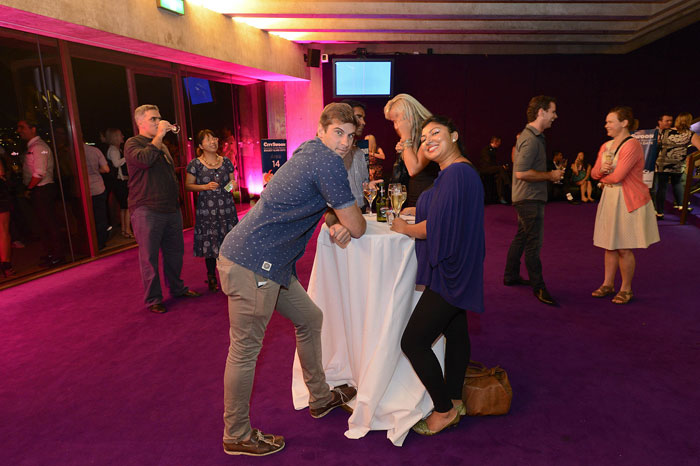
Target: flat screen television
[[363, 77], [198, 90]]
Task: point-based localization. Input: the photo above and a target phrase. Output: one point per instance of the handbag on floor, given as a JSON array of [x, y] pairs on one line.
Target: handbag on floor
[[486, 391]]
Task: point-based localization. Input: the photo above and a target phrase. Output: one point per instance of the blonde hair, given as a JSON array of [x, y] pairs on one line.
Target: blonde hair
[[140, 111], [412, 110], [683, 121]]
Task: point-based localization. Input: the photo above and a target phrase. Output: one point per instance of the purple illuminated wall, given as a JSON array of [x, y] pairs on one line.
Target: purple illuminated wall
[[488, 95]]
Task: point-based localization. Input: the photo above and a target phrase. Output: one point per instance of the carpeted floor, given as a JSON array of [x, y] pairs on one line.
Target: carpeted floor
[[88, 376]]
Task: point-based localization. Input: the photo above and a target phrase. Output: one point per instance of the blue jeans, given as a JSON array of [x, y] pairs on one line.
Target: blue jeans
[[156, 232], [528, 239]]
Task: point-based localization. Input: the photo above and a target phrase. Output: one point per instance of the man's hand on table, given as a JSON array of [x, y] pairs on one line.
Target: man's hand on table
[[339, 235]]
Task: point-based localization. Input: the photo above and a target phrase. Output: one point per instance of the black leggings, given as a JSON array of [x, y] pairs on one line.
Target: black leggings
[[432, 317], [211, 265]]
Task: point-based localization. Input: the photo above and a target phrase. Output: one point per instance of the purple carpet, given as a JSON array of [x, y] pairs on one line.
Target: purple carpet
[[88, 376]]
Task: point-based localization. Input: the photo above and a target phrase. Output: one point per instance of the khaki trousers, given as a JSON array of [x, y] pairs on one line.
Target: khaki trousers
[[251, 300]]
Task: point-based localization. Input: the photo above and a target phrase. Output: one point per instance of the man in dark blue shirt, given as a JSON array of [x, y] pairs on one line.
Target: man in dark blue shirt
[[257, 268]]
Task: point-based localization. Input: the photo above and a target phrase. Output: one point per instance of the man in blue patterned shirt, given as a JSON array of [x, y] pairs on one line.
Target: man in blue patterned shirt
[[257, 268]]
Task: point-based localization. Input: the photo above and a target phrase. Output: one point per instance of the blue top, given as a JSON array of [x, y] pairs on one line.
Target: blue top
[[451, 258], [273, 235]]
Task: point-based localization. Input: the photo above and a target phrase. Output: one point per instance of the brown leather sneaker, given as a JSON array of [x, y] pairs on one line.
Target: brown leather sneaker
[[341, 395], [258, 444]]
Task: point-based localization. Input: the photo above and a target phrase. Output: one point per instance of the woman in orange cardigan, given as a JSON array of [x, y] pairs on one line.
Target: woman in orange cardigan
[[625, 219]]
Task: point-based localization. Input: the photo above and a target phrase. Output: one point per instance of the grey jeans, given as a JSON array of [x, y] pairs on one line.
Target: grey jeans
[[156, 232], [251, 300]]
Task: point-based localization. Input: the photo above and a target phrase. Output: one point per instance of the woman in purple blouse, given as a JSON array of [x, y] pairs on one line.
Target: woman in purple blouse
[[449, 232]]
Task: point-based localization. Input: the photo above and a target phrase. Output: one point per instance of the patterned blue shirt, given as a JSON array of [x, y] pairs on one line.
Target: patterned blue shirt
[[273, 235]]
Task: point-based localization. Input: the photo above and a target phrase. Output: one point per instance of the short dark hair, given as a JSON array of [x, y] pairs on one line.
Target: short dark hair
[[495, 138], [448, 123], [537, 103], [354, 103], [661, 117], [337, 111], [31, 122]]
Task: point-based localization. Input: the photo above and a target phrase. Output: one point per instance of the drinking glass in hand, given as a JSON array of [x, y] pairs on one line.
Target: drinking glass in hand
[[398, 196], [608, 157], [370, 192]]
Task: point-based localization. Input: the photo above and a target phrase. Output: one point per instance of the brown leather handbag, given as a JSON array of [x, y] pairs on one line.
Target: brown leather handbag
[[486, 391]]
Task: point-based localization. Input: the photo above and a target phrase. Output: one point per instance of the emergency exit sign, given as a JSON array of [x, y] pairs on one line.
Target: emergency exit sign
[[173, 6]]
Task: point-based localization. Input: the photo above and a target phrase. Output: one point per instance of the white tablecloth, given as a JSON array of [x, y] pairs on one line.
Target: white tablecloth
[[367, 293]]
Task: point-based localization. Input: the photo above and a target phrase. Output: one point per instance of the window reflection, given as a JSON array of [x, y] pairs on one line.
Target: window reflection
[[42, 208], [210, 105], [105, 118]]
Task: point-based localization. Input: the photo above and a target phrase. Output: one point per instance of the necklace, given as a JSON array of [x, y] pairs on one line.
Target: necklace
[[214, 165]]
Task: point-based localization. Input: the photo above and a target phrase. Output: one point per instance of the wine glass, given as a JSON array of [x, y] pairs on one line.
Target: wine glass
[[370, 192], [174, 128]]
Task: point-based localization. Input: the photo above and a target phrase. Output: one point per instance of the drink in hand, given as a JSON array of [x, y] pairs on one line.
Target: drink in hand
[[370, 192]]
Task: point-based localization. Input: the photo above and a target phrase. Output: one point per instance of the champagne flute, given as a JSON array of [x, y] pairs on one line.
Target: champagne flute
[[370, 192], [404, 195], [174, 128], [396, 201], [608, 157]]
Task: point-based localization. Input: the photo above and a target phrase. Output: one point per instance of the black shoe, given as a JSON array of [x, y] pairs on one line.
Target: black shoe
[[7, 270], [158, 308], [190, 294], [213, 284], [516, 281], [52, 261], [543, 295], [341, 395]]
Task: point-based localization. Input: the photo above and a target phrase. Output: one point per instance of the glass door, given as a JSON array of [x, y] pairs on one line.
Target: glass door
[[42, 216], [164, 91]]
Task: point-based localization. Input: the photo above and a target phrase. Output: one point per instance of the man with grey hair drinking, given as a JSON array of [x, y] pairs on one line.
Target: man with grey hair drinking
[[154, 207]]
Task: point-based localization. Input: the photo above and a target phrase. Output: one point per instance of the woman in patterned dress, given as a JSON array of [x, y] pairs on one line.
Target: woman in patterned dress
[[670, 165], [215, 214], [625, 218]]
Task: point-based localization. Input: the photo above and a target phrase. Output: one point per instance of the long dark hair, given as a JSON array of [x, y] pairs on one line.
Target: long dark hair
[[447, 122]]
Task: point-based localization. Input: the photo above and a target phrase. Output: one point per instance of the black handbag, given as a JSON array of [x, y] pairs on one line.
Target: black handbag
[[400, 172]]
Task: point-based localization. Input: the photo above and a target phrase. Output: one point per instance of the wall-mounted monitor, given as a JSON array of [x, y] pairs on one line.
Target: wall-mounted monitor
[[363, 77], [198, 90]]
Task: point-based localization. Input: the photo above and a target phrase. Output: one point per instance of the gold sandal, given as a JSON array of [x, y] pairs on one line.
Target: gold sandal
[[603, 291], [421, 427], [623, 297]]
